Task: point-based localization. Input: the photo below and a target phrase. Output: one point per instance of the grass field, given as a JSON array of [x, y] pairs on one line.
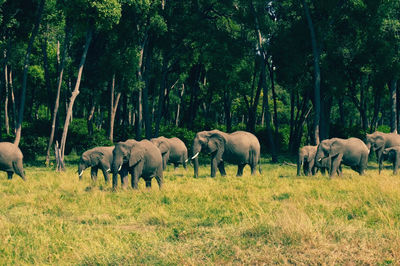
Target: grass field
[[275, 217]]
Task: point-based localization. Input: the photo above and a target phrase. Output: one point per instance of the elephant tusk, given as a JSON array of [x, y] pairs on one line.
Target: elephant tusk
[[320, 159], [80, 174], [119, 169], [108, 170], [186, 160], [194, 156]]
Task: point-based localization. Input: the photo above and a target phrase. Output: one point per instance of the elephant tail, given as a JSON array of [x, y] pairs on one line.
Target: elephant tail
[[255, 159], [18, 169]]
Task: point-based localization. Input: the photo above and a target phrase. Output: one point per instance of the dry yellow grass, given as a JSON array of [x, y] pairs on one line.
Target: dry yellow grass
[[275, 217]]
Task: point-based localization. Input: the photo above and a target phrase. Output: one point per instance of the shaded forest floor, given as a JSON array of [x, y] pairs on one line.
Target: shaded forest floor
[[275, 217]]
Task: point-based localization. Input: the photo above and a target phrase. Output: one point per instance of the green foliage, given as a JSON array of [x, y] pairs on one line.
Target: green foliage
[[80, 140], [187, 136]]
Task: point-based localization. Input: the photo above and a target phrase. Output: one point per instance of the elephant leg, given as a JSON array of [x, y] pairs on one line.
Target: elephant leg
[[335, 164], [184, 164], [93, 173], [213, 167], [136, 172], [240, 169], [105, 173], [159, 178], [364, 163], [380, 160], [10, 174], [221, 168], [396, 163], [124, 176], [176, 166], [311, 168], [148, 183], [115, 181]]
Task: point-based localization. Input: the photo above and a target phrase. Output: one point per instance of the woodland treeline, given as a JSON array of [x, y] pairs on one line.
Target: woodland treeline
[[90, 72]]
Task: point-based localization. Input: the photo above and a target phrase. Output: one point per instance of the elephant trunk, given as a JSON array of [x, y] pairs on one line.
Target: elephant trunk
[[195, 157], [299, 163], [81, 168], [116, 166]]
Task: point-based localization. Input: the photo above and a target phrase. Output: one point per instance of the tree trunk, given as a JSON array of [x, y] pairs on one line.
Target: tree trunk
[[276, 122], [59, 83], [75, 92], [25, 75], [47, 74], [6, 85], [163, 85], [317, 73], [89, 120], [113, 108], [227, 109], [178, 108], [393, 109]]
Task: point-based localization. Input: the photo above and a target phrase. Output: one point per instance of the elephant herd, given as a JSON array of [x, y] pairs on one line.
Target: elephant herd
[[148, 158], [330, 154]]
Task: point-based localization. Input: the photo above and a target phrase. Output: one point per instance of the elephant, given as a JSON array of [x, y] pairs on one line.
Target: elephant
[[140, 159], [11, 160], [379, 141], [307, 159], [394, 155], [98, 157], [173, 150], [352, 152], [238, 148]]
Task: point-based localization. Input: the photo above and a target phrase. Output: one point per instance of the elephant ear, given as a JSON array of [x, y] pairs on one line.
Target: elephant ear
[[163, 147], [334, 149], [216, 143], [378, 142], [95, 157], [137, 154]]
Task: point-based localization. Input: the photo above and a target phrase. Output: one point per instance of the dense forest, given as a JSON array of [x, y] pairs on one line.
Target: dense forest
[[91, 72]]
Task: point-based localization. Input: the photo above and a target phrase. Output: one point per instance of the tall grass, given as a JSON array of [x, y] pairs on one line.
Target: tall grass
[[275, 217]]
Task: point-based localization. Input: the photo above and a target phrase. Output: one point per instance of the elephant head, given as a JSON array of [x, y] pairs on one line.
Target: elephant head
[[129, 152], [324, 153], [163, 145], [212, 142], [375, 141], [89, 159]]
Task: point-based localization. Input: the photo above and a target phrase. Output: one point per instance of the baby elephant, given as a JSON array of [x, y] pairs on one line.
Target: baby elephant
[[172, 150], [11, 159], [306, 159], [140, 159], [394, 155], [99, 157]]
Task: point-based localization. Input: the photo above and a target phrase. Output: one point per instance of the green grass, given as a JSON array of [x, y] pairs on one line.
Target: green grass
[[276, 217]]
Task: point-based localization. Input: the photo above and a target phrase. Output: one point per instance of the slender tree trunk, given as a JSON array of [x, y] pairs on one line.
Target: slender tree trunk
[[317, 73], [90, 118], [75, 92], [57, 100], [10, 81], [227, 109], [276, 122], [47, 74], [163, 85], [6, 85], [25, 75], [178, 108], [393, 101], [113, 108]]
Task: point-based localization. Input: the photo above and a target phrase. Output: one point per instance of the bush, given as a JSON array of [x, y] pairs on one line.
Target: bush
[[78, 137], [184, 134]]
